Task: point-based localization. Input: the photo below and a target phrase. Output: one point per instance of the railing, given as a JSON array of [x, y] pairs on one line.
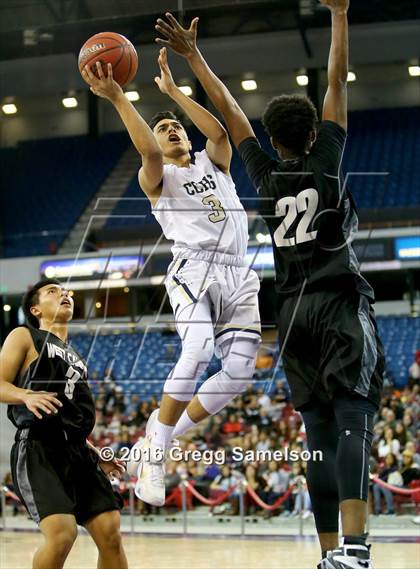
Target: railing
[[241, 486], [185, 486]]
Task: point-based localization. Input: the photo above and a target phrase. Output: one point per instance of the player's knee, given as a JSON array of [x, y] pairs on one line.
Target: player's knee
[[194, 360], [239, 369], [111, 542], [63, 540], [197, 355]]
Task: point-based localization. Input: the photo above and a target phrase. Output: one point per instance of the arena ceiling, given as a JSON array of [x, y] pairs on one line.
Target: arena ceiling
[[30, 28]]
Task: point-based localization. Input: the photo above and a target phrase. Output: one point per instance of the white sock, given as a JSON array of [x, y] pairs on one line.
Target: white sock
[[161, 438], [184, 424]]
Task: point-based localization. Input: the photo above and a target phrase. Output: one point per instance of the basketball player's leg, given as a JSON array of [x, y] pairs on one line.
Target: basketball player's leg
[[60, 533], [354, 417], [105, 531], [352, 365], [237, 338], [195, 327], [322, 435], [238, 366]]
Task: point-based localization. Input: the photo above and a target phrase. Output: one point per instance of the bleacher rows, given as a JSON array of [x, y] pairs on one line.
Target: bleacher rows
[[141, 361], [47, 184]]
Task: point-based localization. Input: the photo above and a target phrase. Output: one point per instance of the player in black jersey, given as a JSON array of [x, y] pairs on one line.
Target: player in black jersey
[[57, 473], [331, 352]]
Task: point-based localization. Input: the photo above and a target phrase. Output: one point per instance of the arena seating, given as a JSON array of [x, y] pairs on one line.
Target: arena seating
[[63, 175], [379, 141], [141, 361]]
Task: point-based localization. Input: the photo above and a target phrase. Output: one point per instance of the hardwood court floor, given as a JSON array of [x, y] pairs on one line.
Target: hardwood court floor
[[144, 552]]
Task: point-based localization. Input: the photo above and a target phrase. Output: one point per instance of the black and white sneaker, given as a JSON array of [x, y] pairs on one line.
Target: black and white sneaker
[[348, 557]]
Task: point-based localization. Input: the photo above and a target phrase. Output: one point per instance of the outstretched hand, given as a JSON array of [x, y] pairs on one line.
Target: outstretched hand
[[165, 82], [342, 5], [183, 41], [100, 85]]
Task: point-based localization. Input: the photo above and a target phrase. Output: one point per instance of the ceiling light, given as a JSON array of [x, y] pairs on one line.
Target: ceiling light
[[132, 96], [69, 102], [302, 80], [9, 109], [7, 308], [98, 305], [186, 89], [414, 70], [249, 85], [351, 76]]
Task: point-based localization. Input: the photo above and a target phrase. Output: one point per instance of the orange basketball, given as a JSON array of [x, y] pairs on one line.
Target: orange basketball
[[109, 47]]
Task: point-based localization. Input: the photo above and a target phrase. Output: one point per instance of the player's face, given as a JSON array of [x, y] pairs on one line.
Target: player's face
[[172, 138], [54, 304]]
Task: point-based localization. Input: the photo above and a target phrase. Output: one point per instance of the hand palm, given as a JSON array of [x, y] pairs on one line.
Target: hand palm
[[179, 39]]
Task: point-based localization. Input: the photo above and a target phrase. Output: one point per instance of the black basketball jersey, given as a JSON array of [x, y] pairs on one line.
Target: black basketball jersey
[[60, 369], [310, 215]]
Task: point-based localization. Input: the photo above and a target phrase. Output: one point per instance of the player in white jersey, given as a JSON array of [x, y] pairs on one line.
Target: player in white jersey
[[212, 292]]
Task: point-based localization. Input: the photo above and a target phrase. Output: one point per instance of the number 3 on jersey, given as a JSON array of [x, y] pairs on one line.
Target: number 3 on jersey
[[219, 213], [72, 377], [289, 207]]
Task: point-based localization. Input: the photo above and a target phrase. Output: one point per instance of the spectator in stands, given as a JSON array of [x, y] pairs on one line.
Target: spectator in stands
[[414, 369], [264, 363], [276, 483], [264, 400], [233, 426], [388, 473], [256, 483], [396, 406], [390, 418], [220, 485], [411, 447], [133, 405], [251, 408], [409, 470], [409, 424], [264, 420], [172, 477], [263, 441], [401, 434], [300, 492], [8, 483], [388, 444]]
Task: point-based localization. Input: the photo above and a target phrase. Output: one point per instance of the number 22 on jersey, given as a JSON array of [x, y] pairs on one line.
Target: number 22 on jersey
[[289, 207]]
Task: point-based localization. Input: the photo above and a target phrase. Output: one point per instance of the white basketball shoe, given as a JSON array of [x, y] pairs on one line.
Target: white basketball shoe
[[150, 485], [348, 557]]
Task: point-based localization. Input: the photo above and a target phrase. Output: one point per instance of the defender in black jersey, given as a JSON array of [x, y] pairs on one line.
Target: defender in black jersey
[[57, 474], [331, 352]]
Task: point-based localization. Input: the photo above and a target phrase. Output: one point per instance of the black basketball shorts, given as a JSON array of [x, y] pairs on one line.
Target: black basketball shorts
[[60, 477], [330, 342]]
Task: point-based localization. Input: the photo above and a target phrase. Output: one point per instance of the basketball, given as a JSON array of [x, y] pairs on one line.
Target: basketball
[[110, 47]]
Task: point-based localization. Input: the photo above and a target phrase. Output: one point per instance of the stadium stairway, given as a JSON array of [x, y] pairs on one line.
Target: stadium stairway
[[114, 186]]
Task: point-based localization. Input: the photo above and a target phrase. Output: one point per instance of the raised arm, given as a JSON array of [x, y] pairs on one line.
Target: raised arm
[[183, 42], [218, 145], [151, 172], [335, 102]]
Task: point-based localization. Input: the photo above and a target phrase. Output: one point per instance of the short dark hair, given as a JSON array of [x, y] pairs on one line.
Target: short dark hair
[[289, 119], [31, 297], [162, 115]]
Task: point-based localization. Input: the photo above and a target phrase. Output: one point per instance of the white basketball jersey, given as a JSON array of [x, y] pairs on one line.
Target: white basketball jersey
[[199, 208]]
